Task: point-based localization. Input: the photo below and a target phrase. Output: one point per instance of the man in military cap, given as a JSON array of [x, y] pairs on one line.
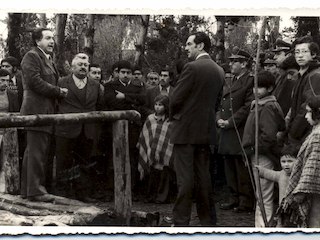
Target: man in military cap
[[235, 106], [283, 87]]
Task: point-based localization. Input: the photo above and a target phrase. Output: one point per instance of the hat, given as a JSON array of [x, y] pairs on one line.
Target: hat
[[269, 61], [240, 54], [281, 46]]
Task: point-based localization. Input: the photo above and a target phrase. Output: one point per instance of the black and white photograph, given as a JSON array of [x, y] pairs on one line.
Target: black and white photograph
[[159, 119]]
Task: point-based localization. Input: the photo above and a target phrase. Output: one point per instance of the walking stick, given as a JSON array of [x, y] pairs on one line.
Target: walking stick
[[256, 173]]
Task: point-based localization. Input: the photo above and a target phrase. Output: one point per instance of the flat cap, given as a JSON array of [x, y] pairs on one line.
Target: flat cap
[[240, 54], [281, 46]]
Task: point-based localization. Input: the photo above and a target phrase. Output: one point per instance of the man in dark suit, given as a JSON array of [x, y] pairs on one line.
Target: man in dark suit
[[40, 78], [164, 87], [74, 142], [193, 107], [231, 118], [126, 93], [11, 64]]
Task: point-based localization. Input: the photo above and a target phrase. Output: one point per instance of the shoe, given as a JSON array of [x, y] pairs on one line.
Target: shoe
[[241, 209], [168, 219], [228, 206], [42, 198]]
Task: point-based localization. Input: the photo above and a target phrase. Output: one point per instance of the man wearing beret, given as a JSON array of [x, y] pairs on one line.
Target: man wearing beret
[[235, 106]]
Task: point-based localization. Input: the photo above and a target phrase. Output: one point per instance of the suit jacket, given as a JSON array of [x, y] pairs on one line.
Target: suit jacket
[[73, 104], [134, 100], [306, 86], [235, 107], [18, 76], [193, 102], [39, 81], [283, 91], [151, 93]]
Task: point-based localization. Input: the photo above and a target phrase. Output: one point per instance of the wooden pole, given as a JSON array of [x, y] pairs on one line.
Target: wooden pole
[[10, 177], [256, 155], [122, 172], [17, 120]]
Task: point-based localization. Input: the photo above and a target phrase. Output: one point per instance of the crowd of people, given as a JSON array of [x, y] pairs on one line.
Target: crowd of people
[[206, 111]]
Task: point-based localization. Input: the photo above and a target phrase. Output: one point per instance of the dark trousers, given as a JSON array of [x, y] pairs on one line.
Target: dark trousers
[[73, 164], [192, 169], [238, 181], [33, 177]]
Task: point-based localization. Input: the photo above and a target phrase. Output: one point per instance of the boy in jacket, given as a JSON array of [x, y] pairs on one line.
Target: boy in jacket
[[271, 121]]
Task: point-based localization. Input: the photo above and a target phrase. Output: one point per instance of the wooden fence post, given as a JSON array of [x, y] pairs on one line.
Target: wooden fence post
[[10, 177], [122, 172]]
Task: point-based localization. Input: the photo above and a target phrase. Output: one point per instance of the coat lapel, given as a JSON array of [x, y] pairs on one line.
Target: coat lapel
[[46, 61], [72, 87], [89, 91]]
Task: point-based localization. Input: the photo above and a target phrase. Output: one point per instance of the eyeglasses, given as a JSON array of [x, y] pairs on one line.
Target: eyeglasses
[[301, 52], [153, 78]]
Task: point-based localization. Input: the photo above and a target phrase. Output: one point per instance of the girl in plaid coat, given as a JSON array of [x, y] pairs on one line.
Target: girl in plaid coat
[[155, 151], [301, 205]]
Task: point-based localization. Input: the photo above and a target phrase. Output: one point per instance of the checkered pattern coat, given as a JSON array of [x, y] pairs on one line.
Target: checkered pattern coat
[[305, 178], [155, 149]]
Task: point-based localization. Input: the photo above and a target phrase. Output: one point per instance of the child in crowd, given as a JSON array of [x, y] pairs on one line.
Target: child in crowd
[[287, 162], [301, 205], [271, 121], [155, 151]]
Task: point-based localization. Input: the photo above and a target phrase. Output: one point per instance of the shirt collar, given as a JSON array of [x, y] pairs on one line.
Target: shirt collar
[[14, 80], [79, 80], [202, 54], [167, 88], [47, 55], [123, 83]]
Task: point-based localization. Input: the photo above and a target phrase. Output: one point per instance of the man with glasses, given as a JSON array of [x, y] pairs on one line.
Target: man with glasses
[[235, 106], [307, 84]]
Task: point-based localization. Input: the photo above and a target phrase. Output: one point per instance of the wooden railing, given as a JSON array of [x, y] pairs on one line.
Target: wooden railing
[[121, 160]]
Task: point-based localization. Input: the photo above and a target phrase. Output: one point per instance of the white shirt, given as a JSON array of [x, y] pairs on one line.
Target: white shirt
[[202, 54], [47, 55], [80, 83], [14, 80], [167, 89]]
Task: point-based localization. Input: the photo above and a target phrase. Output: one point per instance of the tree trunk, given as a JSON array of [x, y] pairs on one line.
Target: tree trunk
[[89, 36], [220, 39], [16, 120], [61, 20], [274, 24], [140, 45], [14, 33], [10, 177], [122, 173], [43, 20]]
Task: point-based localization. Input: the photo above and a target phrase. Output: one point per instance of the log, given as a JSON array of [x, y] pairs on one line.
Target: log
[[122, 173], [15, 120], [10, 180]]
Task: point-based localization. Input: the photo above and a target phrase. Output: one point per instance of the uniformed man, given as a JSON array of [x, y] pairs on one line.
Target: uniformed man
[[235, 106]]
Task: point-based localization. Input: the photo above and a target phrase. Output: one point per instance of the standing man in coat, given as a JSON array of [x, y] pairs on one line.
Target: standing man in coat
[[193, 106], [74, 142], [231, 118], [40, 78]]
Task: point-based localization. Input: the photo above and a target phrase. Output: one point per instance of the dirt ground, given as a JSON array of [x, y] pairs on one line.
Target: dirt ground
[[225, 218]]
